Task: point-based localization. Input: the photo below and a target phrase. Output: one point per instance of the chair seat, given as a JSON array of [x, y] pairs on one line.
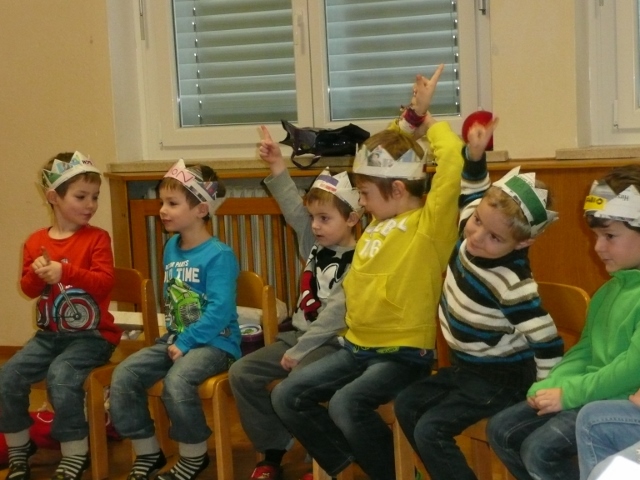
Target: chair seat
[[205, 391]]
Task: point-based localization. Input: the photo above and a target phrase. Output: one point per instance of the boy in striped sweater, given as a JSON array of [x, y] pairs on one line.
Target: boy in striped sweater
[[501, 339]]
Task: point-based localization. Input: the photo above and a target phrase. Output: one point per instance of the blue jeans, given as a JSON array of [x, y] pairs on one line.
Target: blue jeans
[[131, 379], [350, 428], [436, 409], [603, 429], [64, 359], [533, 446]]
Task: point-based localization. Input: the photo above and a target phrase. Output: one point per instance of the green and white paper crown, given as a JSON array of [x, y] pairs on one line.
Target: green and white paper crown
[[602, 202], [531, 200], [191, 179], [380, 163], [62, 171], [339, 185]]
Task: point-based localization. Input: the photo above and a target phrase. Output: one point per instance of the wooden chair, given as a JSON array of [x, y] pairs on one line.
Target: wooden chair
[[567, 305], [215, 392], [132, 292]]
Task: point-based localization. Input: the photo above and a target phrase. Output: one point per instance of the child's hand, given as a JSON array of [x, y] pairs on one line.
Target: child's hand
[[423, 91], [48, 271], [288, 363], [174, 352], [270, 152], [635, 398], [478, 138], [548, 400]]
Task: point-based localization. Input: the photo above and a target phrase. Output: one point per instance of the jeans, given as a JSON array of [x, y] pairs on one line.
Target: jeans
[[249, 378], [131, 379], [533, 446], [64, 359], [436, 409], [603, 429], [350, 428]]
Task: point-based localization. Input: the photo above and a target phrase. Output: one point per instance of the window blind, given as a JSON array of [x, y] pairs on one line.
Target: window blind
[[235, 58]]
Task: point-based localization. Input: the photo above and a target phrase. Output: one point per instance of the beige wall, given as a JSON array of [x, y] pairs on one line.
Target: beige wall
[[55, 95]]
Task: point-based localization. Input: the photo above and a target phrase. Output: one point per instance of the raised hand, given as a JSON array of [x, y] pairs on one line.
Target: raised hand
[[270, 152], [423, 90], [478, 137]]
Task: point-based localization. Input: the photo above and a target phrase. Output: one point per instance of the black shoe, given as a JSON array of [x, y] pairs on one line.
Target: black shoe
[[180, 473], [145, 471], [19, 470], [75, 471]]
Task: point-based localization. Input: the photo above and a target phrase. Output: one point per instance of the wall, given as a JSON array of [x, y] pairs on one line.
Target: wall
[[55, 95]]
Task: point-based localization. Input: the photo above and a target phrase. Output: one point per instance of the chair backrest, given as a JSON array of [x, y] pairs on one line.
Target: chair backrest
[[132, 292], [567, 305], [253, 293]]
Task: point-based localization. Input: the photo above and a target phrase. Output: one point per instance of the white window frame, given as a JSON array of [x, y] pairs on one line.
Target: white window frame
[[151, 67], [613, 95]]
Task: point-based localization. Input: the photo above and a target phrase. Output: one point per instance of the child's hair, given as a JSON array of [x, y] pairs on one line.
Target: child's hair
[[619, 179], [206, 174], [323, 197], [397, 145], [61, 190], [517, 222]]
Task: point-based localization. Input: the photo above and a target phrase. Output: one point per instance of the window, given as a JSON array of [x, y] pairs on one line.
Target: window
[[614, 65], [212, 70]]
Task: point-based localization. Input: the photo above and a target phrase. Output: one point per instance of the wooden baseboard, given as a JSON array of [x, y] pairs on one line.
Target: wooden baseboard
[[8, 351]]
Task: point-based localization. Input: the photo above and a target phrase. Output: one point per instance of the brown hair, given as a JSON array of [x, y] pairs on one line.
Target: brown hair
[[322, 197], [203, 174], [397, 145], [517, 221], [61, 190], [619, 179]]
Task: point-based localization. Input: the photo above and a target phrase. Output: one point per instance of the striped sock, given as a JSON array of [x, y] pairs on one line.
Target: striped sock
[[71, 467], [187, 468], [145, 465]]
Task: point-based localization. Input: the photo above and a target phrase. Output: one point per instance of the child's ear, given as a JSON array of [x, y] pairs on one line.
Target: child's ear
[[203, 210], [397, 189], [51, 196], [525, 243], [353, 219]]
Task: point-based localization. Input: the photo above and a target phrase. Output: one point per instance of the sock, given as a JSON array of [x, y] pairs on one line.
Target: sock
[[71, 467], [187, 468], [145, 465], [274, 457]]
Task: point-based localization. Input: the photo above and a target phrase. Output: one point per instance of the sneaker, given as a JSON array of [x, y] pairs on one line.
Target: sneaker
[[266, 471], [20, 470]]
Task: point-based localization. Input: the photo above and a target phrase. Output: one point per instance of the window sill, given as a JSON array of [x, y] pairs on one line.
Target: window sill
[[600, 152]]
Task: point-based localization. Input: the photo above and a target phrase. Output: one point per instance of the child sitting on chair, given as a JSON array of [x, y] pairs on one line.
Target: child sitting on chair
[[537, 438], [203, 338], [326, 239], [69, 266], [500, 336]]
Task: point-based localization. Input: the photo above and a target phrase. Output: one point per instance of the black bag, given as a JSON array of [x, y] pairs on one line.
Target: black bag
[[323, 142]]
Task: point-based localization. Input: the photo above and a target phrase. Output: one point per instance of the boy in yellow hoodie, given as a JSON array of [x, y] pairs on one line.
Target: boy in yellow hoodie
[[392, 291]]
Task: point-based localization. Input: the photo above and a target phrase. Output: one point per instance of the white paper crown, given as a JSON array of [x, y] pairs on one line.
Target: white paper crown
[[602, 202], [340, 185], [531, 200], [62, 171], [380, 163], [191, 179]]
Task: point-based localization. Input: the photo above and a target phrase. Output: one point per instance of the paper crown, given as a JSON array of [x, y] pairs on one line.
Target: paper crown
[[191, 179], [340, 185], [602, 202], [531, 200], [379, 163], [62, 171]]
